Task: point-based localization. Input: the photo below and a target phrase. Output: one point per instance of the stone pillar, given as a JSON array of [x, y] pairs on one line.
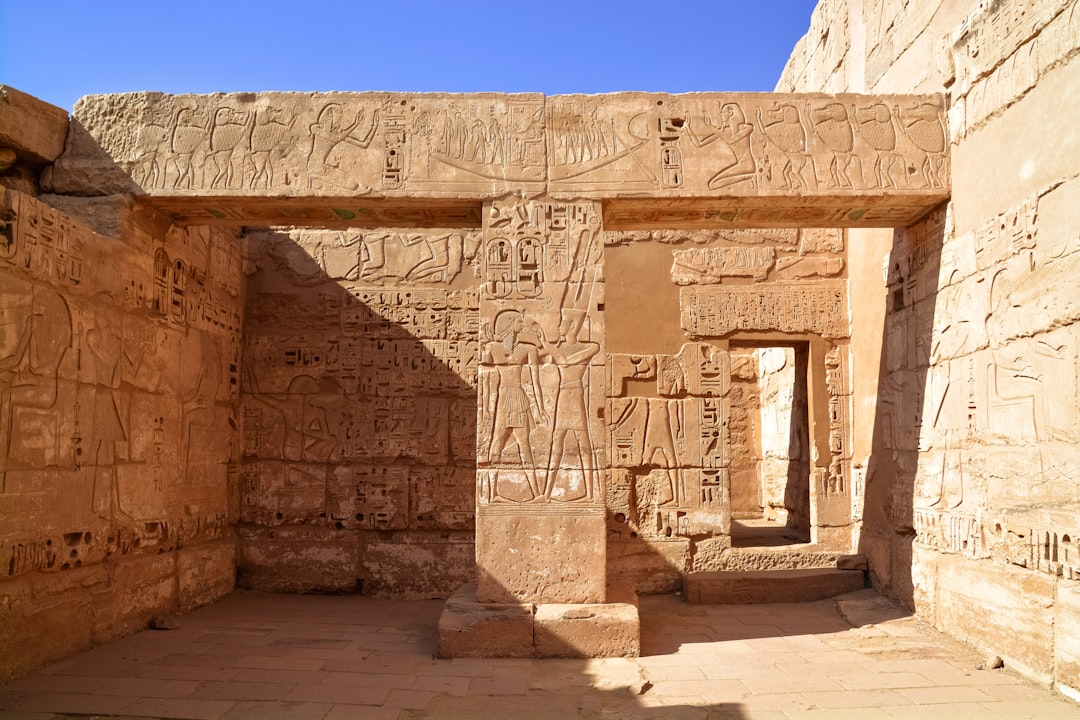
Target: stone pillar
[[540, 510], [541, 439]]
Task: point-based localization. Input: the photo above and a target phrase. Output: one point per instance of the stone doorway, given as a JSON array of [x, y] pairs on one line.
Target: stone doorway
[[770, 436]]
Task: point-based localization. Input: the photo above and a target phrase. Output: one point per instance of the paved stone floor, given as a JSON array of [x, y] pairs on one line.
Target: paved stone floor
[[351, 658]]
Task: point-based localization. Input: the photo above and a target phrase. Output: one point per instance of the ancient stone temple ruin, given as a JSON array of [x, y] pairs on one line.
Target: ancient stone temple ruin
[[538, 355]]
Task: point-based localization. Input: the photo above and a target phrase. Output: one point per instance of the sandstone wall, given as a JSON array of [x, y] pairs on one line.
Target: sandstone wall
[[684, 393], [119, 360], [359, 410], [972, 500]]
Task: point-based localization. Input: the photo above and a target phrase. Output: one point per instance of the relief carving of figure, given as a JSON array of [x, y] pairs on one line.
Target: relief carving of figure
[[737, 134], [28, 376], [572, 357], [228, 128], [784, 129], [151, 139], [189, 131], [444, 261], [513, 358], [327, 133], [111, 361], [832, 125], [267, 133], [875, 125], [496, 141], [922, 126]]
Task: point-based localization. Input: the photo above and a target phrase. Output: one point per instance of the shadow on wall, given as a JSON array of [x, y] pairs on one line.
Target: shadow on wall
[[358, 412], [895, 484]]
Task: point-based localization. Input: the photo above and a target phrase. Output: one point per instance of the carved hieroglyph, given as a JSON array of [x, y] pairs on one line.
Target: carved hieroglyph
[[820, 254], [995, 420], [820, 309], [670, 452], [682, 424], [834, 159], [326, 144], [119, 369], [359, 403], [541, 439], [743, 143]]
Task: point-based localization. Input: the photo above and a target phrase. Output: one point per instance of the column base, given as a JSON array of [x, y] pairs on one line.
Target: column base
[[468, 628]]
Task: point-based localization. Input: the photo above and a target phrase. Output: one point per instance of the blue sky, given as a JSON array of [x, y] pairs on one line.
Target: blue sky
[[59, 51]]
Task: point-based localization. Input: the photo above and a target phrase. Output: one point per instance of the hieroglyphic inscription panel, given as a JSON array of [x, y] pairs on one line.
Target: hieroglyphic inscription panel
[[541, 376], [994, 423], [372, 383], [321, 144], [718, 311], [359, 392], [669, 448], [738, 293]]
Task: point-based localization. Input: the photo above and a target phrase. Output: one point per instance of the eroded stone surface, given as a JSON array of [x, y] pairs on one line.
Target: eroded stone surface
[[34, 130], [594, 631], [540, 433], [469, 628], [752, 587]]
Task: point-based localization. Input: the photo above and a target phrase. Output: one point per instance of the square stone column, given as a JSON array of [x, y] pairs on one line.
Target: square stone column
[[540, 511], [541, 437]]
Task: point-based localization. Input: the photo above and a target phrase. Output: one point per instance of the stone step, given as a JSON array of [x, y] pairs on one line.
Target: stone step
[[770, 586], [789, 558]]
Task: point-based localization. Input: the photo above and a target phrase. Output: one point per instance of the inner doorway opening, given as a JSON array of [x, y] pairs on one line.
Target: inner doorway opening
[[770, 444]]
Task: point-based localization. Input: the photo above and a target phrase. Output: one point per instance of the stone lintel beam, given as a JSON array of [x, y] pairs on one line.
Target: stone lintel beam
[[759, 159], [868, 210], [30, 128], [361, 212]]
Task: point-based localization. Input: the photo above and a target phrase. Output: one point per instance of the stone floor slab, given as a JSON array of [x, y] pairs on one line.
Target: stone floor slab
[[897, 668], [261, 710], [181, 709]]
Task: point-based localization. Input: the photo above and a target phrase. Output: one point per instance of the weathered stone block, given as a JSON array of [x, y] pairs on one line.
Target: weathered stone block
[[852, 562], [298, 559], [45, 621], [416, 565], [770, 586], [468, 628], [588, 630], [332, 149], [540, 556], [777, 558], [205, 573], [139, 587], [35, 130], [981, 190], [114, 216], [1067, 637], [999, 608], [837, 538], [650, 567]]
